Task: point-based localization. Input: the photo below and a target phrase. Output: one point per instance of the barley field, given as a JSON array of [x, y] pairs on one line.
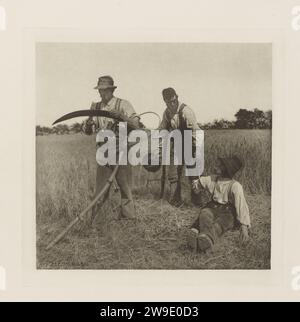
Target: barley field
[[65, 177]]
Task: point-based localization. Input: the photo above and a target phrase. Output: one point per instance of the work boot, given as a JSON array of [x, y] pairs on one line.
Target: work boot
[[199, 242], [192, 239], [204, 243], [127, 210]]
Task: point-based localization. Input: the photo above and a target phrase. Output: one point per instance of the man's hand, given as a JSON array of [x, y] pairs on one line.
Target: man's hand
[[135, 121], [196, 186], [88, 126], [244, 235]]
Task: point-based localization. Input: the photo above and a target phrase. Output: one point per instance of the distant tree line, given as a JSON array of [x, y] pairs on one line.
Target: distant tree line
[[58, 129], [244, 119]]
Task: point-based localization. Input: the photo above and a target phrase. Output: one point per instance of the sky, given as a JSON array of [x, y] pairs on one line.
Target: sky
[[214, 79]]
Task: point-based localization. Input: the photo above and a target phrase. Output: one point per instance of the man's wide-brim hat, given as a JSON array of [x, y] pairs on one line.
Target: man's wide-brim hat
[[105, 82], [232, 165]]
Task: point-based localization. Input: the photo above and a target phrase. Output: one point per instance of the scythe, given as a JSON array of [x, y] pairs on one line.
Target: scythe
[[118, 116]]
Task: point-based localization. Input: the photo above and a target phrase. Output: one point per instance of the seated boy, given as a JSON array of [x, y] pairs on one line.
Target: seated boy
[[227, 209]]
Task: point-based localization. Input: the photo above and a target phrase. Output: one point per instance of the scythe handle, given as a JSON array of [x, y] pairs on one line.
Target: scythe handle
[[62, 234], [84, 212]]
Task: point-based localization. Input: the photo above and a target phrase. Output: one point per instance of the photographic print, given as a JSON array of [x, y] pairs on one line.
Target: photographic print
[[153, 215]]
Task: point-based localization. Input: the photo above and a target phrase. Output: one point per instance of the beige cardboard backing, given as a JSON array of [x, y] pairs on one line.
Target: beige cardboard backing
[[198, 21]]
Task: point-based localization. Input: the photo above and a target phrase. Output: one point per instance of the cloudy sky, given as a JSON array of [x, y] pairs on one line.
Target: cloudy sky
[[214, 79]]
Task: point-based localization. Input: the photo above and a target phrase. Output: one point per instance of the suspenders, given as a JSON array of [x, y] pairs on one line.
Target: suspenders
[[221, 208], [118, 104], [98, 107], [182, 126]]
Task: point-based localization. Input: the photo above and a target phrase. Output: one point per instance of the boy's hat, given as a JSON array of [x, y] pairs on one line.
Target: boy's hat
[[232, 165]]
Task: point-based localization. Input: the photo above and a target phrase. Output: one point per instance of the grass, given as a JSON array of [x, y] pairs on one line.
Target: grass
[[157, 240]]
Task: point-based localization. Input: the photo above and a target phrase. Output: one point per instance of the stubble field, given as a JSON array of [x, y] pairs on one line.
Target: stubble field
[[65, 179]]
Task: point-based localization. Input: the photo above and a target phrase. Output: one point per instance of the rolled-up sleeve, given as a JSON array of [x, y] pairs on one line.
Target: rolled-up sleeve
[[127, 108], [242, 209], [205, 182], [164, 123], [191, 124], [129, 111], [190, 118]]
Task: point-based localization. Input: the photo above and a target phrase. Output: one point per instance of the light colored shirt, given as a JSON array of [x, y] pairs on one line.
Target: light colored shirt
[[103, 122], [224, 192], [170, 121]]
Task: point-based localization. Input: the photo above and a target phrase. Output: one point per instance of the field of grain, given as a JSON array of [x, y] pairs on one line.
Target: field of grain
[[157, 240]]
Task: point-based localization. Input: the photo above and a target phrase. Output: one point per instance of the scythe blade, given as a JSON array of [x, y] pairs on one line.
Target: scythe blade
[[100, 113], [118, 116]]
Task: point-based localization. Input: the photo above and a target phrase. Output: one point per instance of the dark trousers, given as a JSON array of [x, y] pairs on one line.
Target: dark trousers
[[124, 180], [175, 173], [215, 221]]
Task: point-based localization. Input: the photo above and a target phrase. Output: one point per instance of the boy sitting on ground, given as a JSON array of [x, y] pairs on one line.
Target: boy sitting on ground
[[227, 209]]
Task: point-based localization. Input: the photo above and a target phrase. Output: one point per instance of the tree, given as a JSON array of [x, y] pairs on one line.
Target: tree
[[61, 129], [268, 119], [256, 119], [244, 119], [38, 130], [75, 128], [259, 119], [218, 124], [42, 130]]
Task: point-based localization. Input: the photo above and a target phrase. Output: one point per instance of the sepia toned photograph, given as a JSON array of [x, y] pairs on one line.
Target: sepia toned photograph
[[153, 215]]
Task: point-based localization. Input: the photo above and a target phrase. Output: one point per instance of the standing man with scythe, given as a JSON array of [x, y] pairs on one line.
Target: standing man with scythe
[[109, 102]]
